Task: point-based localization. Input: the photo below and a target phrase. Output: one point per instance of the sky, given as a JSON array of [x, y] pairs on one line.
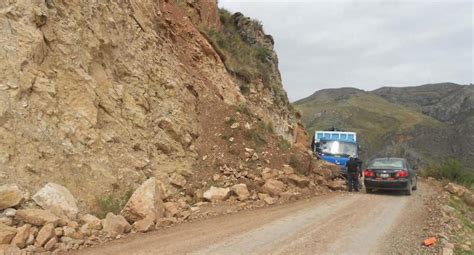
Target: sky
[[366, 44]]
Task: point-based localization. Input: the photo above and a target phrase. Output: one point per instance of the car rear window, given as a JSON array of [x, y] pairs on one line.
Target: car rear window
[[386, 163]]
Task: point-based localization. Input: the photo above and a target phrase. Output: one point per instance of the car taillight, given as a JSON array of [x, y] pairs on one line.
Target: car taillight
[[402, 173], [368, 173]]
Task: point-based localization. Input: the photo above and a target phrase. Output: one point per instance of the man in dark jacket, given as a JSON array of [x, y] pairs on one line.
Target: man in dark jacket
[[353, 172]]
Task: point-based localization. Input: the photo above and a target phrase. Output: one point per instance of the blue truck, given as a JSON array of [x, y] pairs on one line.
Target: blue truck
[[336, 147]]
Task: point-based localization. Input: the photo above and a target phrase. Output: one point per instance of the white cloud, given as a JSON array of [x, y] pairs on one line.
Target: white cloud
[[366, 44]]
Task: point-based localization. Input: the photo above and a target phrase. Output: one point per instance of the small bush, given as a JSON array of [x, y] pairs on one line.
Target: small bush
[[231, 120], [451, 170], [244, 110], [255, 137], [284, 145], [112, 203]]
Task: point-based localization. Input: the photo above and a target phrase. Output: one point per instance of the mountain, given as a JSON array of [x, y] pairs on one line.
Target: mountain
[[425, 123], [99, 96]]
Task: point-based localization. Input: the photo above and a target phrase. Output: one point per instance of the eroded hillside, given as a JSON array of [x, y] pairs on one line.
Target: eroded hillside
[[100, 96]]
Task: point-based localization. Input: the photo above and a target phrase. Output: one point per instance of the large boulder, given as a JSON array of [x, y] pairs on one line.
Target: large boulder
[[146, 200], [468, 197], [241, 191], [37, 217], [6, 234], [57, 199], [273, 187], [216, 194], [268, 173], [21, 236], [115, 225], [10, 195], [455, 189]]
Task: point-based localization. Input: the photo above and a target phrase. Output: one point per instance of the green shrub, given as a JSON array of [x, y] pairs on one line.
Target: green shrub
[[284, 145], [112, 203], [231, 120], [451, 170], [255, 137]]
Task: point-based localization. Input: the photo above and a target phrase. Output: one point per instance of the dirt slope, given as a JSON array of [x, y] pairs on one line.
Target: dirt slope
[[354, 223]]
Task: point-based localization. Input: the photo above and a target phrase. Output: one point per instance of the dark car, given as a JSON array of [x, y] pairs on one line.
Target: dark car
[[390, 174]]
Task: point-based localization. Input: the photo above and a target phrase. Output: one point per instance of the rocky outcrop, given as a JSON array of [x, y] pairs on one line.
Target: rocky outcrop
[[145, 201], [57, 198]]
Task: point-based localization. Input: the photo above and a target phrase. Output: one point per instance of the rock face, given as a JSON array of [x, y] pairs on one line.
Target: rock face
[[214, 194], [115, 225], [56, 198], [6, 234], [10, 196], [36, 217], [146, 200]]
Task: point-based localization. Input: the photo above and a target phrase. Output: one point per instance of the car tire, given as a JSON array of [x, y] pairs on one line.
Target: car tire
[[409, 190]]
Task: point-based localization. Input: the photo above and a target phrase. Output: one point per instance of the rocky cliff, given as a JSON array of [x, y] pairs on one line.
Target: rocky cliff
[[100, 96]]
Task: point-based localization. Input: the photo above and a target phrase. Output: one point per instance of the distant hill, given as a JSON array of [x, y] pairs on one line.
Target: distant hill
[[424, 123]]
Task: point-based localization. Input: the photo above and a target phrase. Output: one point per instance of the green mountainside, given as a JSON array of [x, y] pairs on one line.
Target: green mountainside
[[426, 124]]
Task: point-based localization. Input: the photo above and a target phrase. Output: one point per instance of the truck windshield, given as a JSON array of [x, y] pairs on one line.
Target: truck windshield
[[338, 148]]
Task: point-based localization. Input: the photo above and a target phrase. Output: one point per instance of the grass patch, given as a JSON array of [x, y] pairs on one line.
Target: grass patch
[[231, 120], [451, 170], [243, 57], [255, 137], [112, 203], [243, 109], [465, 214]]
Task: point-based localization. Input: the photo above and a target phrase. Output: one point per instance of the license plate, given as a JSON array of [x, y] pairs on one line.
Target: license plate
[[384, 175]]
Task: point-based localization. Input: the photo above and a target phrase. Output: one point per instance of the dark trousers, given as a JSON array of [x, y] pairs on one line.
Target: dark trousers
[[353, 181]]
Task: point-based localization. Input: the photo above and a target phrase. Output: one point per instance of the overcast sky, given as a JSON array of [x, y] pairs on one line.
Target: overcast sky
[[366, 44]]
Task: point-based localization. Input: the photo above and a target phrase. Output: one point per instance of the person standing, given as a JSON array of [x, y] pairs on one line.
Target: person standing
[[353, 173]]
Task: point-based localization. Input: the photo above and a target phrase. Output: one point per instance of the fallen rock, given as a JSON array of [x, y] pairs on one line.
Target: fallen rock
[[115, 225], [235, 125], [171, 209], [92, 221], [289, 196], [267, 198], [51, 243], [57, 199], [468, 198], [337, 185], [37, 217], [287, 169], [10, 196], [178, 180], [145, 225], [216, 194], [455, 189], [241, 191], [45, 233], [9, 212], [7, 249], [21, 236], [6, 221], [299, 181], [447, 251], [273, 187], [7, 233], [163, 222], [146, 200], [268, 173]]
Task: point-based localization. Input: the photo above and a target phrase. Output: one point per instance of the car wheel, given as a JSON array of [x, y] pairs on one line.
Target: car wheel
[[409, 190]]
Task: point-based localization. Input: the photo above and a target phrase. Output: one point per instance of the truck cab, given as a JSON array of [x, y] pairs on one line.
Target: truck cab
[[336, 147]]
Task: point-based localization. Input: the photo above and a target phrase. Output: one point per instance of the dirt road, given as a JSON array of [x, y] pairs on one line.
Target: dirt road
[[347, 223]]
